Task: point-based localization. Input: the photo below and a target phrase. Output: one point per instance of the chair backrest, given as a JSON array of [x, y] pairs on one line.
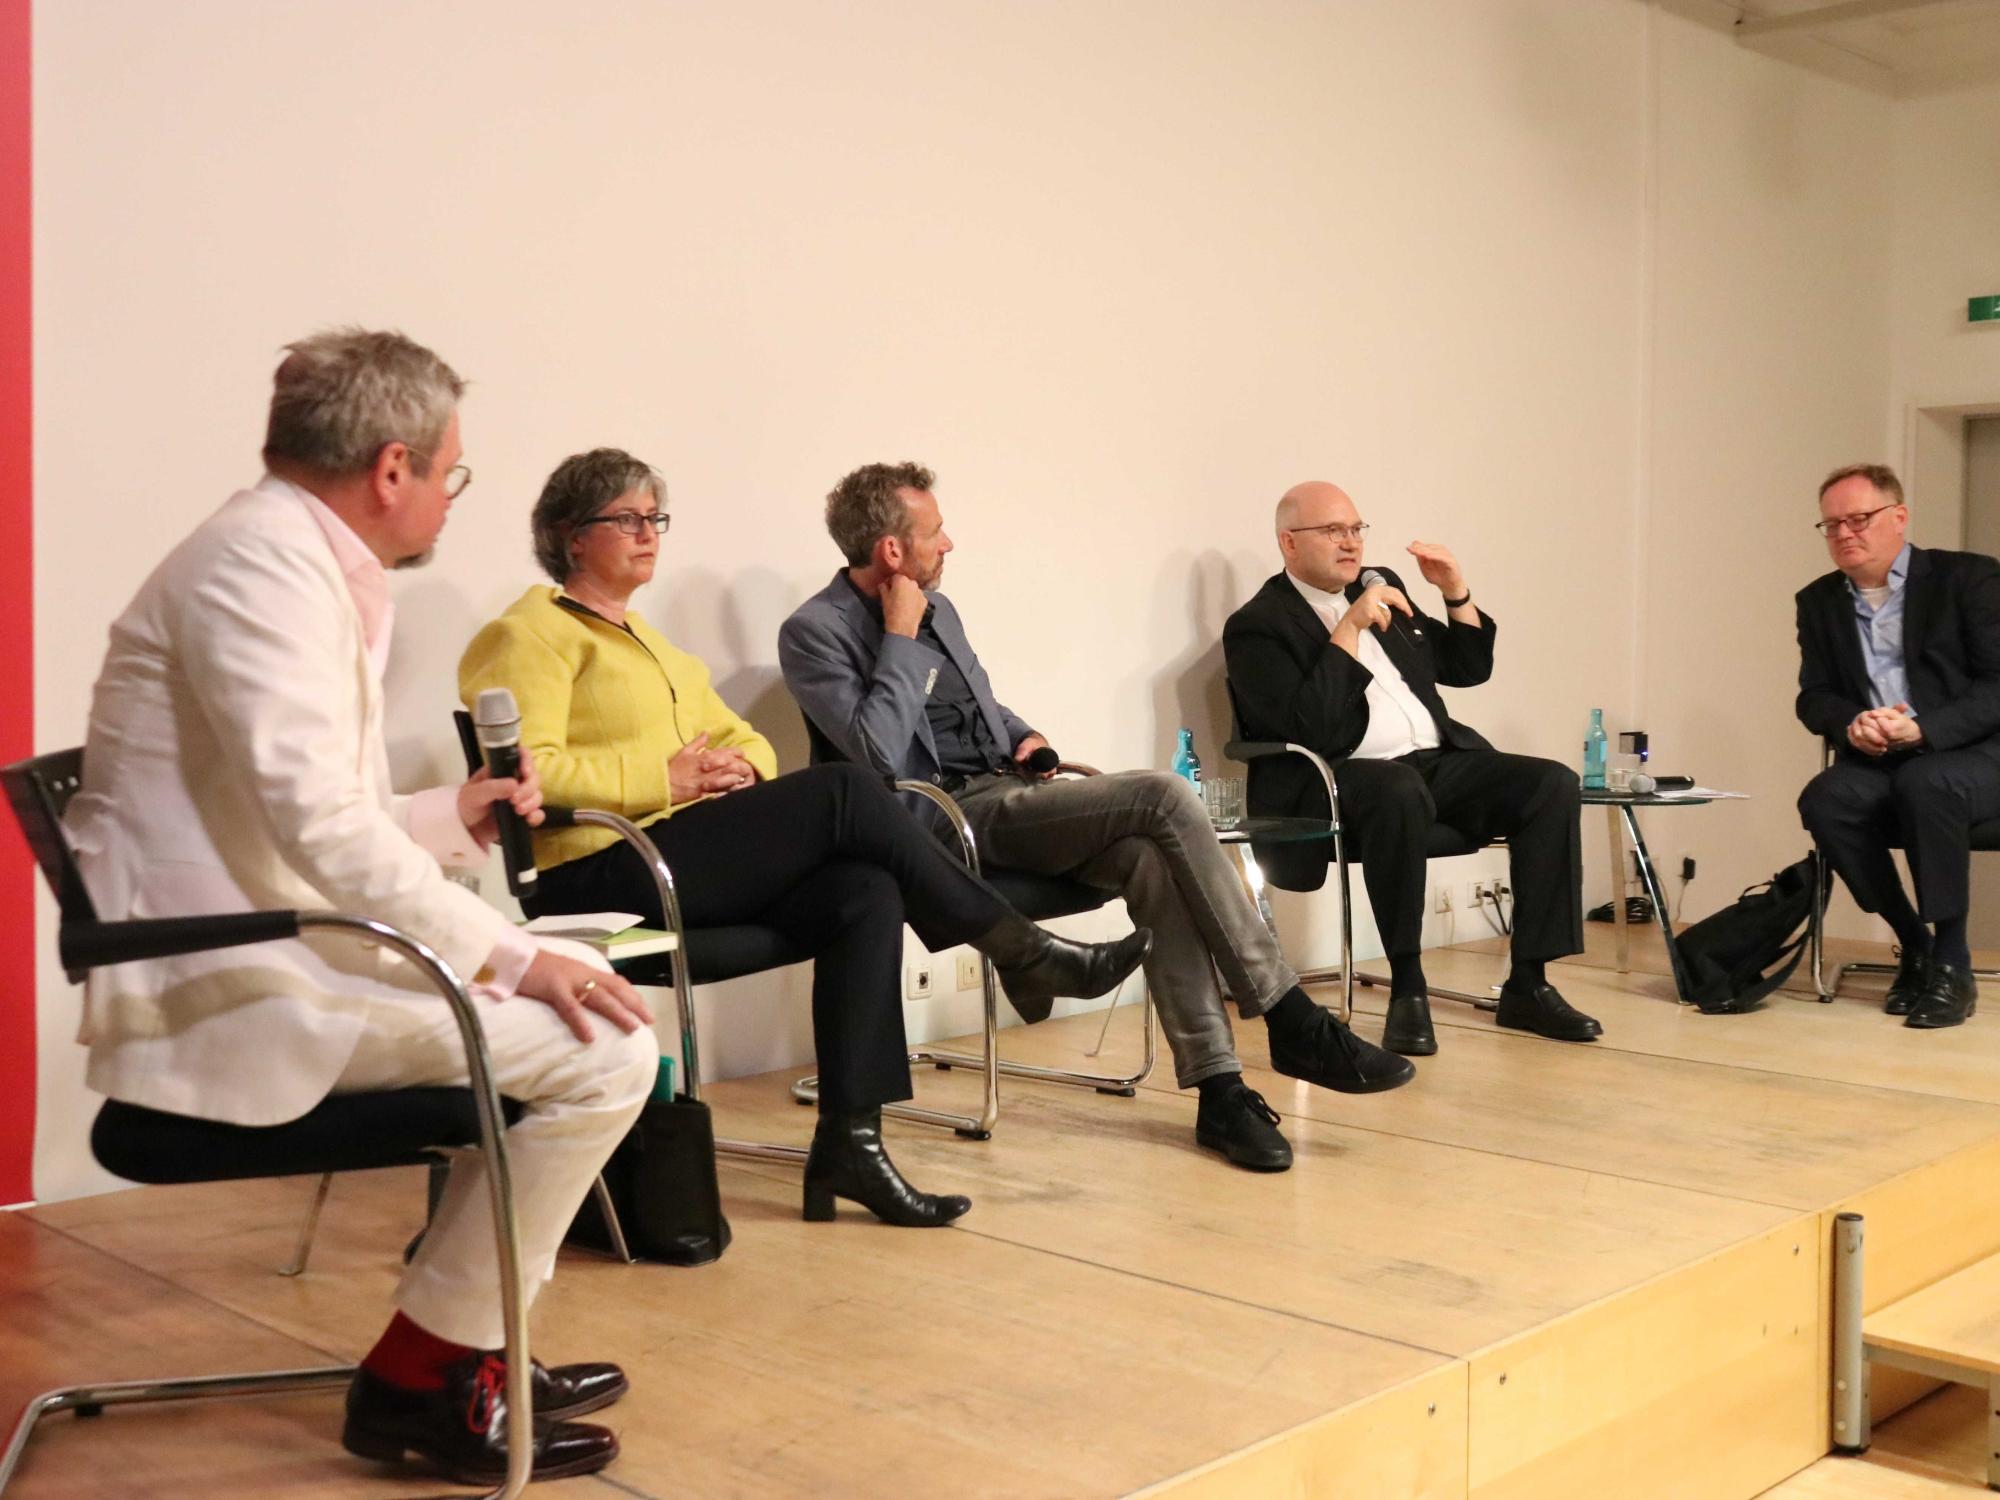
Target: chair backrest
[[39, 791]]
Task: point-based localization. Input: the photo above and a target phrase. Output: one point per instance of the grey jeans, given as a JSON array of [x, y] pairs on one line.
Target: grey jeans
[[1144, 835]]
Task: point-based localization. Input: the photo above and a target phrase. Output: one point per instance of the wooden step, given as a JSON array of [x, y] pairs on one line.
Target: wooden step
[[1954, 1322]]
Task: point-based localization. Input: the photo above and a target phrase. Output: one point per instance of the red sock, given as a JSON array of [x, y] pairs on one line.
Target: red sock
[[412, 1357]]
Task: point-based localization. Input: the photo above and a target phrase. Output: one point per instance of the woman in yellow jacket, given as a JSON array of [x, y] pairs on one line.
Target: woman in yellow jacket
[[618, 718]]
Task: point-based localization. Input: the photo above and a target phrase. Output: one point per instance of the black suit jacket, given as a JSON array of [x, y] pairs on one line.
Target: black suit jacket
[[1288, 681], [1951, 652]]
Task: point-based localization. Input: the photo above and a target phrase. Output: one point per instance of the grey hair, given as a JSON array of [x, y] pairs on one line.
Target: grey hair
[[582, 485], [341, 396], [865, 507], [1887, 485]]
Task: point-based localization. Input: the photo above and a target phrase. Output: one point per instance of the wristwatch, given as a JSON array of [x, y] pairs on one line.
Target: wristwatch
[[1465, 598]]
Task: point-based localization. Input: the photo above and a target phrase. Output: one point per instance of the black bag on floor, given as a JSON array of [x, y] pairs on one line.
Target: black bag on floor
[[1736, 957], [662, 1182]]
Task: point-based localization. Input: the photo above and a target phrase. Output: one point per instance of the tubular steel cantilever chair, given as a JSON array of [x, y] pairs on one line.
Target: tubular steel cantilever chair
[[1040, 898], [1985, 840], [1445, 842], [343, 1133]]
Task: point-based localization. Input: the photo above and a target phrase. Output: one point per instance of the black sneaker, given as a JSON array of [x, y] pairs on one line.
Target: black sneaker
[[1239, 1124], [1328, 1053]]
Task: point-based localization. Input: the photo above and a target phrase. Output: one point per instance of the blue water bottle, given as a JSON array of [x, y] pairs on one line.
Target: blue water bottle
[[1187, 765], [1594, 753]]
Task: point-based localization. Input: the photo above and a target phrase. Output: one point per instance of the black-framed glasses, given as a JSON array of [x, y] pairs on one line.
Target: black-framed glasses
[[632, 522], [1335, 530], [1856, 523], [456, 478]]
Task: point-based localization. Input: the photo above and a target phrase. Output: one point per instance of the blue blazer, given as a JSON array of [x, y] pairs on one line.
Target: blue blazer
[[863, 690]]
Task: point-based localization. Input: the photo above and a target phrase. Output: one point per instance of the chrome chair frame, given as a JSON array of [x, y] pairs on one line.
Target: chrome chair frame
[[1346, 973], [988, 1060], [88, 945], [1821, 890]]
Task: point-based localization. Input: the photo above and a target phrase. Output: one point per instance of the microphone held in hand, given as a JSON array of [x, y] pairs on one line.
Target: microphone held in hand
[[1375, 578], [1041, 760], [497, 721]]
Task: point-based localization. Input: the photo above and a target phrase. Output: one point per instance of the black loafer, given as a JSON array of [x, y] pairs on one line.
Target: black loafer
[[566, 1391], [1328, 1053], [1541, 1009], [1241, 1126], [461, 1428], [1408, 1029], [1949, 999], [1913, 972]]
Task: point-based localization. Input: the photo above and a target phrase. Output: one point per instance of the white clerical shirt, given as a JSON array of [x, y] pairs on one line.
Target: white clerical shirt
[[1398, 722]]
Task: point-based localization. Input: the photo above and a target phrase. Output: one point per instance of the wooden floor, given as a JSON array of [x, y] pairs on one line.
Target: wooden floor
[[1539, 1270]]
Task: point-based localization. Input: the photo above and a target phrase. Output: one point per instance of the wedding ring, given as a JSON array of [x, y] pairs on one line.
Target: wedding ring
[[588, 986]]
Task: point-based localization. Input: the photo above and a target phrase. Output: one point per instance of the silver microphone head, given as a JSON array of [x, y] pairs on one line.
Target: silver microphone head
[[1371, 578], [497, 718]]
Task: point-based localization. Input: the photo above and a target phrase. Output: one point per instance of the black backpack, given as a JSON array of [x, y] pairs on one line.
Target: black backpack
[[1728, 958]]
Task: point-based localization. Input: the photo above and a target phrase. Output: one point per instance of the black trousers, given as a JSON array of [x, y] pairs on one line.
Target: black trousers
[[1389, 806], [1859, 808], [831, 859]]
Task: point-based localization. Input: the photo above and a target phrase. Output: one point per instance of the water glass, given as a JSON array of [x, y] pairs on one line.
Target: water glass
[[1223, 796]]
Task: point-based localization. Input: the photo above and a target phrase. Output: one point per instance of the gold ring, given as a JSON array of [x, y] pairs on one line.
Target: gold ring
[[588, 986]]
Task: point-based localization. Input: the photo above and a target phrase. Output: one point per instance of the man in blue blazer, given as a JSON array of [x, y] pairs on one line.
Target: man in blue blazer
[[1899, 669], [880, 664]]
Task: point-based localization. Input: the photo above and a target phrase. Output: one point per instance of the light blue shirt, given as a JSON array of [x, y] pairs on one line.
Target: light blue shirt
[[1881, 627]]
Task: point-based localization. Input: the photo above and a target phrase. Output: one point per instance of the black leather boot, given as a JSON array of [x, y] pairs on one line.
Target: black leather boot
[[848, 1161], [1036, 966]]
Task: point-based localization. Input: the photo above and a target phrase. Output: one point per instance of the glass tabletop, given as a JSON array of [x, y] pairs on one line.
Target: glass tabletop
[[1605, 797], [1275, 831]]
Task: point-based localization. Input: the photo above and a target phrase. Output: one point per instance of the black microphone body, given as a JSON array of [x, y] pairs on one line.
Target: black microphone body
[[1041, 760], [498, 723]]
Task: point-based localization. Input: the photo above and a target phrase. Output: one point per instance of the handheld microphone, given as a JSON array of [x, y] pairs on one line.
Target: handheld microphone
[[497, 720], [1373, 578], [1041, 761]]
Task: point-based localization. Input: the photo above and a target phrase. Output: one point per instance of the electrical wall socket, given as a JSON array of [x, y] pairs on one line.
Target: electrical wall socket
[[1441, 901], [1476, 890], [968, 971], [917, 982]]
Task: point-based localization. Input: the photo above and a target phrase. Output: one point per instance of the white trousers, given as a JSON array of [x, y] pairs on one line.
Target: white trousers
[[578, 1101]]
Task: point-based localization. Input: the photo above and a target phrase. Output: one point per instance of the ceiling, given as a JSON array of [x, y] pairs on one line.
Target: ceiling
[[1896, 46]]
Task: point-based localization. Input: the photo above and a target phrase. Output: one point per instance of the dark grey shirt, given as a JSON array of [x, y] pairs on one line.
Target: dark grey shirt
[[965, 746]]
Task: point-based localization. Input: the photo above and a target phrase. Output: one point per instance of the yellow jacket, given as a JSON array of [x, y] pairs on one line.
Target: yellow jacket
[[602, 711]]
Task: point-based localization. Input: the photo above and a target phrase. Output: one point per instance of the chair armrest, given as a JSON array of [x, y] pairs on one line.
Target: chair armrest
[[968, 846], [1076, 768], [1249, 750], [93, 945]]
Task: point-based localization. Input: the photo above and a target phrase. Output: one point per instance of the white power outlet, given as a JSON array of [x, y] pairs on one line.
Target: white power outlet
[[968, 971], [1442, 901], [1477, 891], [917, 982]]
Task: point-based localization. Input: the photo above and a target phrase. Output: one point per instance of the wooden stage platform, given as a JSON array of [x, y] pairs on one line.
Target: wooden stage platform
[[1540, 1270]]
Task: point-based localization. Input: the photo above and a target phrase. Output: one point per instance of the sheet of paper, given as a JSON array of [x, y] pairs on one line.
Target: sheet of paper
[[583, 924]]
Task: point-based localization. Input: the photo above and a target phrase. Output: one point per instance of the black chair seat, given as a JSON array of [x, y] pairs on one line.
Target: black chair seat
[[1040, 897], [1448, 843], [342, 1133]]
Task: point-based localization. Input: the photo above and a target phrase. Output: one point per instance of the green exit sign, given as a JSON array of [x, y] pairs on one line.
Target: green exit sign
[[1982, 310]]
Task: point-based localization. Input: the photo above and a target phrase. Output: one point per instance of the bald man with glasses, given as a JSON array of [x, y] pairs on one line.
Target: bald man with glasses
[[1342, 663], [1899, 670]]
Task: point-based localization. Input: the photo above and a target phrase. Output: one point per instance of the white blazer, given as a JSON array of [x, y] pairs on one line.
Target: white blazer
[[235, 761]]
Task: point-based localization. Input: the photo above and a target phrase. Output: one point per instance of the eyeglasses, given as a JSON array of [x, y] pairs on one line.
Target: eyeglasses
[[632, 522], [456, 478], [1856, 523], [1335, 530]]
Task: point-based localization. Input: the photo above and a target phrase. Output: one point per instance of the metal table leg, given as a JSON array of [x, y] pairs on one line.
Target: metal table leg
[[1651, 882], [1618, 888]]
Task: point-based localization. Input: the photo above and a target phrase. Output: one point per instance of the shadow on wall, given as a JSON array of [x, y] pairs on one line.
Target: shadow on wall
[[435, 621], [1195, 595], [731, 620]]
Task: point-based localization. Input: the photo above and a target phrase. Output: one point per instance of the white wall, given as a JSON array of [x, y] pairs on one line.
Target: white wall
[[1566, 283]]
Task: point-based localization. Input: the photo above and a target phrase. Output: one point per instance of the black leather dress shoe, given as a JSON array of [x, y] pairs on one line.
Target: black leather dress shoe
[[1541, 1009], [848, 1160], [1241, 1126], [1913, 972], [461, 1429], [567, 1391], [1080, 970], [1329, 1054], [1408, 1029], [1948, 999]]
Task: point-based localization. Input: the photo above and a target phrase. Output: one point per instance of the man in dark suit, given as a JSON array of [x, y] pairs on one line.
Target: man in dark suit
[[1352, 672], [1899, 667], [882, 668]]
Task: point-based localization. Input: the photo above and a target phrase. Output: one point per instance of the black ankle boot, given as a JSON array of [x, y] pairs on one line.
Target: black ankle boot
[[1036, 966], [848, 1161]]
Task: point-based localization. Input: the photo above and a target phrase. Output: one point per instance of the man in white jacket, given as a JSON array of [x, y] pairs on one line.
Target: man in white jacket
[[235, 760]]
